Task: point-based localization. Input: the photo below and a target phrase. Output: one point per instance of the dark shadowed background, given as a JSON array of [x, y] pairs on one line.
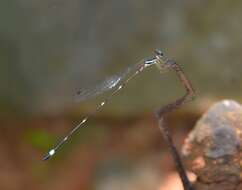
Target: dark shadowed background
[[51, 48]]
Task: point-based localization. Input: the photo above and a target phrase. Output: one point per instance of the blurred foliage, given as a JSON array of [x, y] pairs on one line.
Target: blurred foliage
[[39, 139]]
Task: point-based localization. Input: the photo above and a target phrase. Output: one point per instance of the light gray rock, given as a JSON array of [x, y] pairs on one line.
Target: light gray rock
[[213, 148]]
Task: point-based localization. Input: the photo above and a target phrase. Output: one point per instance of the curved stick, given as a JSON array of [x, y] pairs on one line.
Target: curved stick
[[160, 113]]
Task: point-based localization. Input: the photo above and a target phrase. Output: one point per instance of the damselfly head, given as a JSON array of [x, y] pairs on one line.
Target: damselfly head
[[159, 53], [160, 57], [157, 59], [161, 61]]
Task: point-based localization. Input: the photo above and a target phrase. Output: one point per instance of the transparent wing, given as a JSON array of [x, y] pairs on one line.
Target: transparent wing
[[91, 92], [107, 84], [120, 80]]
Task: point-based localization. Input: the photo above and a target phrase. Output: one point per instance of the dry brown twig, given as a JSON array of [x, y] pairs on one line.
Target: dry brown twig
[[190, 93]]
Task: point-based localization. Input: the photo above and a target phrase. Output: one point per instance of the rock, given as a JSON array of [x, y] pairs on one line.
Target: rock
[[213, 149]]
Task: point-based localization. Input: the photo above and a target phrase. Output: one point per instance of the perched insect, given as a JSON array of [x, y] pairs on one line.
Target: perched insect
[[118, 82]]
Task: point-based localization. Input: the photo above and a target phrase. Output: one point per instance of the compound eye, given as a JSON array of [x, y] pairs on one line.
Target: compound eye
[[159, 52]]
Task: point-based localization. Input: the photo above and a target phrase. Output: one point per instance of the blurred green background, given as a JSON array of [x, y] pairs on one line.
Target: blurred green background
[[51, 48]]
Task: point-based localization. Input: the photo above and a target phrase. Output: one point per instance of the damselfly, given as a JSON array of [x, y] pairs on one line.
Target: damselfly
[[117, 82]]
